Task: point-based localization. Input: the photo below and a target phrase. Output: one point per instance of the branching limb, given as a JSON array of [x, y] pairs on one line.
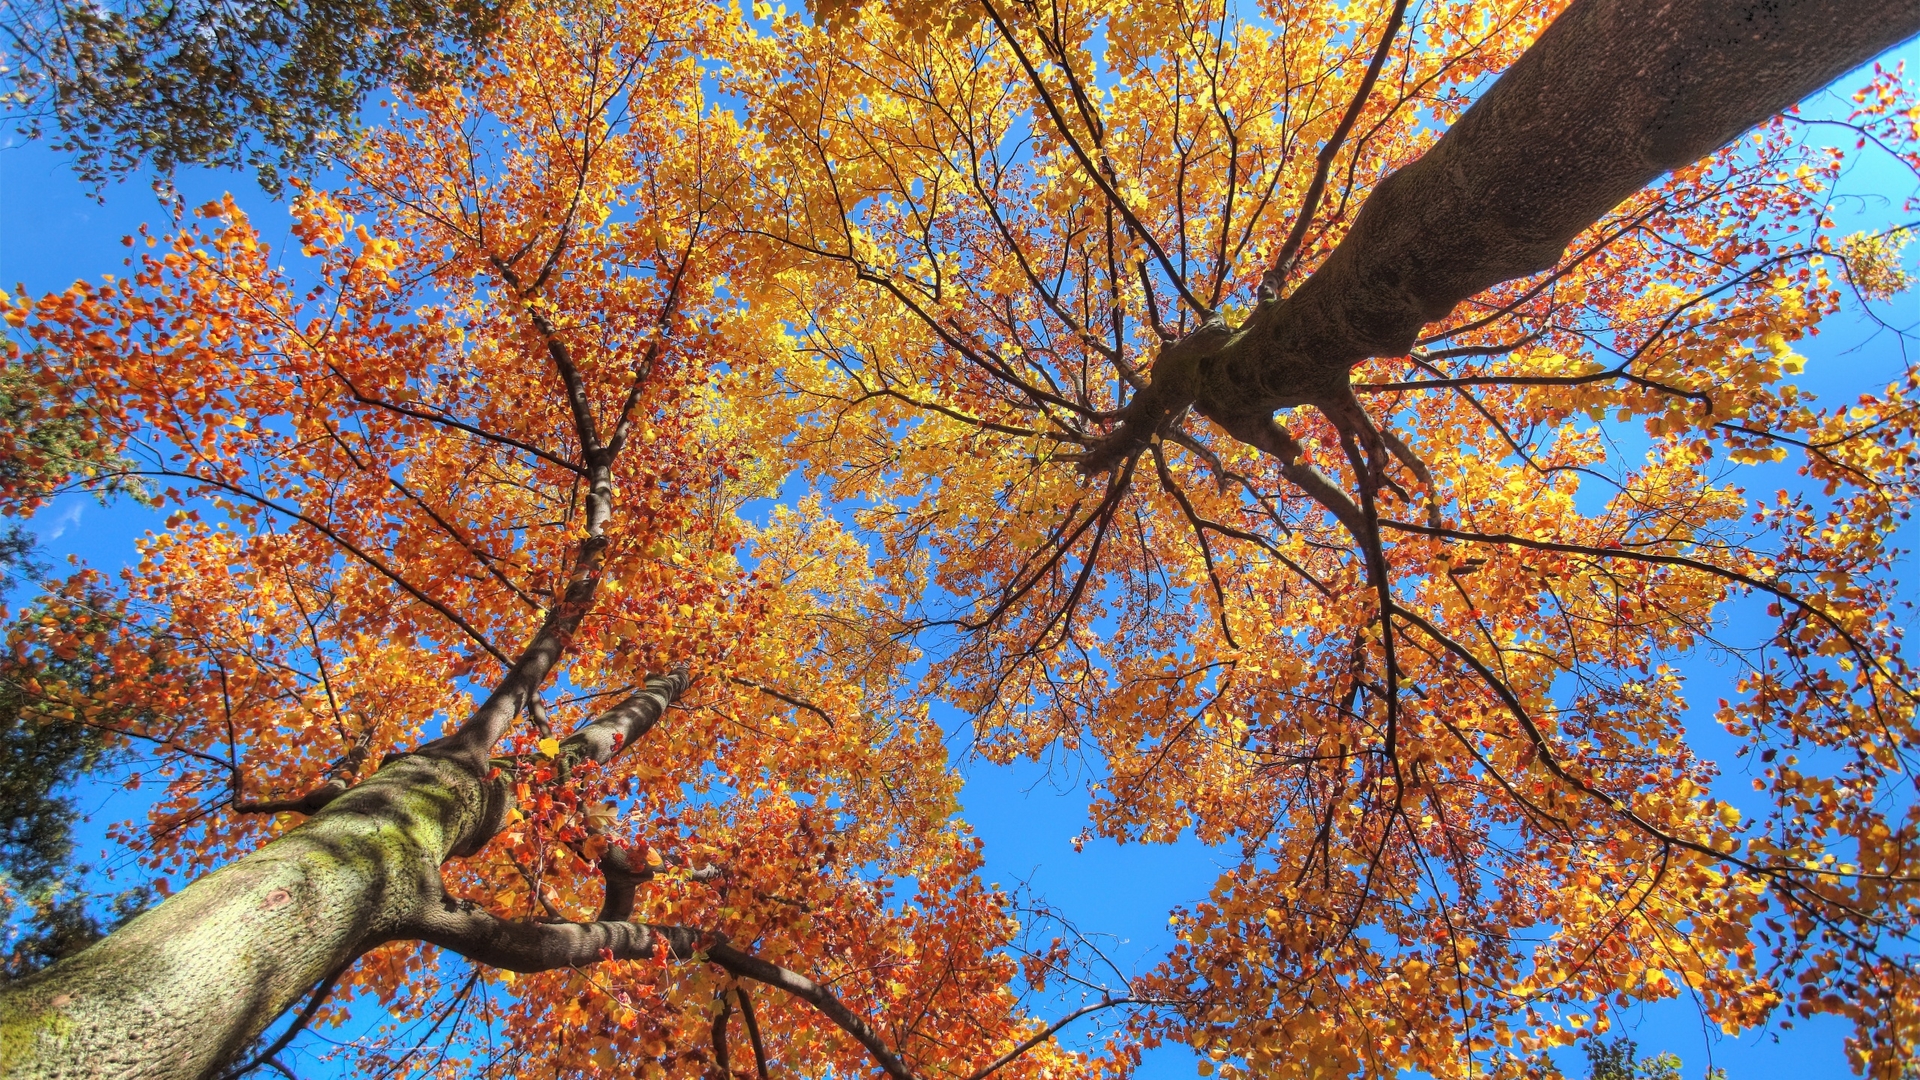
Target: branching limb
[[1049, 1032], [339, 779], [526, 947], [338, 538], [463, 927], [1276, 276], [1156, 407], [460, 926], [623, 879], [1268, 435], [1199, 524], [1648, 85], [1098, 172], [269, 1056], [537, 712], [310, 803], [1771, 588], [1792, 879], [796, 702], [753, 1031], [752, 967], [722, 1067], [605, 736], [475, 737]]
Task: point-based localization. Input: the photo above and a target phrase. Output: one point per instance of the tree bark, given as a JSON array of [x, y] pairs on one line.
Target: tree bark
[[181, 990], [1612, 96]]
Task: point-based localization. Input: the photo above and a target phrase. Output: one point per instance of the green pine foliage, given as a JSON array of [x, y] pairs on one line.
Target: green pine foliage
[[128, 84], [48, 911], [47, 445]]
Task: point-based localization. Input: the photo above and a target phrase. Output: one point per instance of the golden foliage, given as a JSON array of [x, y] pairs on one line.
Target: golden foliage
[[1431, 710]]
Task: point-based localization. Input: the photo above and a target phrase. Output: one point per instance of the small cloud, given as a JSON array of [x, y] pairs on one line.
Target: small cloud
[[66, 519]]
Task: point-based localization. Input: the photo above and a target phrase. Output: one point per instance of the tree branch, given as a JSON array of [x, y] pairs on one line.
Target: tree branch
[[268, 1056], [1049, 1032], [474, 739], [339, 779], [752, 967], [622, 881], [1613, 95], [605, 736], [723, 1068], [462, 927], [798, 703], [753, 1031], [1276, 276]]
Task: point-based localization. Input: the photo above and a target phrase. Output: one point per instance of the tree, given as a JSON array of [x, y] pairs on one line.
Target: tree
[[503, 430], [1253, 428], [568, 324], [267, 86], [1620, 1060], [41, 754]]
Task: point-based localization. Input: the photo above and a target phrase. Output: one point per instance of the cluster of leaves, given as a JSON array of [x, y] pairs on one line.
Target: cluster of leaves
[[44, 902], [1620, 1060], [165, 83], [47, 444], [1421, 667]]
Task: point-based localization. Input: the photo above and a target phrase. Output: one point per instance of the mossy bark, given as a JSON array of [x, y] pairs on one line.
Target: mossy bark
[[182, 989]]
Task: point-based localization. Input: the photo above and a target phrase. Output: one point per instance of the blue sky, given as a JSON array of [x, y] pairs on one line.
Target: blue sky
[[52, 231]]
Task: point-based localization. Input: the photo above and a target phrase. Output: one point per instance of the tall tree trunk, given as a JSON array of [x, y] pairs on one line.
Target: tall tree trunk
[[1613, 95], [183, 988]]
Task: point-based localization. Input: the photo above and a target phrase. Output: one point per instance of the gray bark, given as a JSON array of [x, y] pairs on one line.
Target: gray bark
[[183, 988], [1613, 95]]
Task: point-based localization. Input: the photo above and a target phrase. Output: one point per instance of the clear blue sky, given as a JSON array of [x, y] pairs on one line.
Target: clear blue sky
[[52, 232]]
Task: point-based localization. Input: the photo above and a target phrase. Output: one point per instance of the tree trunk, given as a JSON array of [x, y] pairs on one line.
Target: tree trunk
[[1613, 95], [182, 989]]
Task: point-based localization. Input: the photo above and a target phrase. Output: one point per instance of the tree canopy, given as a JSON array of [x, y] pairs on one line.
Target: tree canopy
[[1338, 426], [157, 85], [43, 903]]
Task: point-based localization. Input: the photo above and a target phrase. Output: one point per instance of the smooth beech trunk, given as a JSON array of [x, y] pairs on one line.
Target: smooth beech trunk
[[181, 990]]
